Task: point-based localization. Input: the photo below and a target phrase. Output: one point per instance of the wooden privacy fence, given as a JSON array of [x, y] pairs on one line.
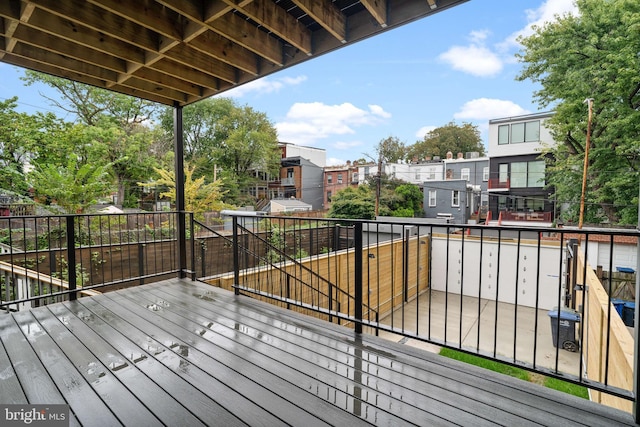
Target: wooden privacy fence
[[390, 278], [604, 326]]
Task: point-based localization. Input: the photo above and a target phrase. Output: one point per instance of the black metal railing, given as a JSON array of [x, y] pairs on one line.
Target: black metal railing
[[282, 260], [557, 301], [52, 258], [525, 296]]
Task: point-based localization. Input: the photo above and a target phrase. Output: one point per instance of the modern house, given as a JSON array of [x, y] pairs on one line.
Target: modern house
[[517, 187]]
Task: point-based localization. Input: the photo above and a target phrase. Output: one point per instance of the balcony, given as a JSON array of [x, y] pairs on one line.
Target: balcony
[[333, 341], [497, 184], [288, 182]]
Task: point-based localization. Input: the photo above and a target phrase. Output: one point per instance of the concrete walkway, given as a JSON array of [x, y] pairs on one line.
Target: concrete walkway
[[478, 320]]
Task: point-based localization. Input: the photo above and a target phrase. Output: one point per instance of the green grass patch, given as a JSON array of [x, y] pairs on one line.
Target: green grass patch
[[565, 387], [515, 372]]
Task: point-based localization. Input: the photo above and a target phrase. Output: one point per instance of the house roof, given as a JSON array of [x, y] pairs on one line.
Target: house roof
[[177, 52]]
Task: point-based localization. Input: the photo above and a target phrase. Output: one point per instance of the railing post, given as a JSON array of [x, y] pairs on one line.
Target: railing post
[[236, 255], [203, 255], [636, 325], [192, 232], [71, 256], [141, 262], [357, 254]]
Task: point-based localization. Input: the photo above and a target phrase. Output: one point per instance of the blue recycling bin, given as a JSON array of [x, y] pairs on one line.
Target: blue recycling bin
[[629, 313], [563, 328]]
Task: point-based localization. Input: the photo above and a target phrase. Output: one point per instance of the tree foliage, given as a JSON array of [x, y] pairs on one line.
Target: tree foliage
[[111, 129], [73, 187], [199, 196], [391, 150], [451, 137], [22, 139], [353, 203], [222, 138], [592, 55]]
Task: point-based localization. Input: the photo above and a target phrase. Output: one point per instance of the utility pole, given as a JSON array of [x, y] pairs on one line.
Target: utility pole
[[589, 102], [378, 190]]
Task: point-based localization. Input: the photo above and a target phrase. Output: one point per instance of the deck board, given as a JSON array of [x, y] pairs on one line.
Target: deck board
[[183, 353]]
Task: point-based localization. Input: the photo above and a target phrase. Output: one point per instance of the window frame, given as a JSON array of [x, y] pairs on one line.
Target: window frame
[[433, 198], [455, 198]]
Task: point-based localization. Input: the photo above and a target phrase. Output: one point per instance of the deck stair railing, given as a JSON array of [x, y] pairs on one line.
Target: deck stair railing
[[267, 263]]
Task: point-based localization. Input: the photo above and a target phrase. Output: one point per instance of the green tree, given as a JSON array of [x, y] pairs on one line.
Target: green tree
[[450, 137], [112, 129], [222, 138], [412, 199], [353, 203], [592, 55], [199, 196], [391, 150], [73, 187], [22, 137]]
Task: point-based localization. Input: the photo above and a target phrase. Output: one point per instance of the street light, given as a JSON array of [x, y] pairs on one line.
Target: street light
[[589, 102]]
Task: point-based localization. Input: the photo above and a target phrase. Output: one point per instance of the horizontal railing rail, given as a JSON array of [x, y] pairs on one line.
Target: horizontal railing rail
[[50, 258]]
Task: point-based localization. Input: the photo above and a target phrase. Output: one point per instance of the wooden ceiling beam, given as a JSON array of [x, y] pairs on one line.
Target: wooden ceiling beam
[[82, 13], [69, 49], [377, 9], [277, 20], [169, 67], [327, 15], [245, 34], [190, 57], [225, 50]]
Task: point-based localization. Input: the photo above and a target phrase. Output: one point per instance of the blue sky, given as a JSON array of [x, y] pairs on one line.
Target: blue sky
[[457, 65]]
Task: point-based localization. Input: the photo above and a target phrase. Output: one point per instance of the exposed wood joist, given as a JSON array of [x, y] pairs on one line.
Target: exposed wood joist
[[180, 51]]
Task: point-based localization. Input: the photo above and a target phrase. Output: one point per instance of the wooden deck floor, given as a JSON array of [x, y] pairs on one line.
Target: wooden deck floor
[[181, 353]]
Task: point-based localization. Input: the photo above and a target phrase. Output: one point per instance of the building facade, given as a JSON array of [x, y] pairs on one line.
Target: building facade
[[517, 185]]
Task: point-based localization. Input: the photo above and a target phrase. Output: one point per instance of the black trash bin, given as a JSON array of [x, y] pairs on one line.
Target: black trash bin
[[563, 328], [629, 313]]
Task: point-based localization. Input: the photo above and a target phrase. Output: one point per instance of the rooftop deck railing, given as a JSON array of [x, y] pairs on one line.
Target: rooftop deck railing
[[490, 291], [52, 258]]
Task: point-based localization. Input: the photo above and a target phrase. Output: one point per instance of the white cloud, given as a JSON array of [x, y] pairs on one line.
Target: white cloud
[[475, 59], [347, 145], [264, 85], [486, 108], [307, 123], [547, 12], [424, 130], [334, 161]]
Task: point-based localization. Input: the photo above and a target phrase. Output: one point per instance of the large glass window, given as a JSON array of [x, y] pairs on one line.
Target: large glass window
[[536, 174], [532, 131], [517, 133], [504, 172], [518, 175], [503, 134]]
